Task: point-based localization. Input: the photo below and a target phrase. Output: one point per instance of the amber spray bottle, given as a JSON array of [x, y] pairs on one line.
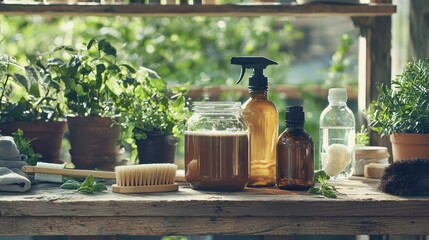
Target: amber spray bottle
[[262, 120], [295, 153]]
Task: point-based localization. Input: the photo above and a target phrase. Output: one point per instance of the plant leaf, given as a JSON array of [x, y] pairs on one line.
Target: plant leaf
[[99, 187], [22, 80], [88, 182], [70, 184], [314, 190], [91, 43], [85, 189], [114, 86], [129, 68], [159, 84], [18, 92]]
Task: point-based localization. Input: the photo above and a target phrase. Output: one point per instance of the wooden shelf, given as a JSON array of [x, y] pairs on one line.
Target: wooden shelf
[[306, 10]]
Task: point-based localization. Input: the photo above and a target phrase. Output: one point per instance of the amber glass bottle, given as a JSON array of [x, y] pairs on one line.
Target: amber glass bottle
[[262, 119], [295, 153]]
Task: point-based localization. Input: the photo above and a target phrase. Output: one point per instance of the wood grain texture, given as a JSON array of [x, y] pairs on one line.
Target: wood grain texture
[[156, 226], [203, 10], [359, 209]]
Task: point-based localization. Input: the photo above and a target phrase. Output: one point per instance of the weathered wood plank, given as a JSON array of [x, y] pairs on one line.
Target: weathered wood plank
[[356, 198], [359, 209], [202, 10], [220, 208], [211, 225]]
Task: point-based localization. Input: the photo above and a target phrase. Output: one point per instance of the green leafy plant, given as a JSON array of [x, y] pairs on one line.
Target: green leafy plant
[[148, 106], [28, 94], [404, 106], [91, 77], [12, 86], [323, 188], [89, 185], [24, 146]]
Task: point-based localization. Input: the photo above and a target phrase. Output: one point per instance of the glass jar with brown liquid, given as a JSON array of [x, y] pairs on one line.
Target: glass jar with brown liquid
[[217, 147]]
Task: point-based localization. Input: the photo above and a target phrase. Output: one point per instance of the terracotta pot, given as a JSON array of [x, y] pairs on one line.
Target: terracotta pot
[[47, 137], [409, 145], [157, 149], [94, 142]]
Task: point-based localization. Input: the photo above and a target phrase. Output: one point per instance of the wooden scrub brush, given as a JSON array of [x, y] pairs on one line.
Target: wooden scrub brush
[[145, 178], [129, 179]]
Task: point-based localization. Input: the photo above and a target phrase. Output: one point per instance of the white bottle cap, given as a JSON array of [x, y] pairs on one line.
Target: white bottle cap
[[337, 94]]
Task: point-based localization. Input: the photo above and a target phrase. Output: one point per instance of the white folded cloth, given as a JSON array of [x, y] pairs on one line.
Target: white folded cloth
[[11, 180]]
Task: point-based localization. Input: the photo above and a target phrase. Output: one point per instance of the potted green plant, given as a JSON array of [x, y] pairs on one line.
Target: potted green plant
[[33, 102], [91, 77], [152, 117], [402, 111]]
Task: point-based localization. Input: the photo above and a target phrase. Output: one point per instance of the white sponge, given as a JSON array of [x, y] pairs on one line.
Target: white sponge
[[336, 159]]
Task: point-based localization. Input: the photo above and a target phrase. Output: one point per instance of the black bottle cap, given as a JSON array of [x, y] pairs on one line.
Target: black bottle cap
[[294, 115]]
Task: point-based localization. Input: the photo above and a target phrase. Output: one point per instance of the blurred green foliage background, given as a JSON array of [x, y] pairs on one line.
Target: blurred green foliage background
[[194, 50], [180, 49]]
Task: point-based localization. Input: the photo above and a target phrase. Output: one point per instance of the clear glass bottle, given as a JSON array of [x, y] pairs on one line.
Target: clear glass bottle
[[217, 147], [295, 153], [337, 136]]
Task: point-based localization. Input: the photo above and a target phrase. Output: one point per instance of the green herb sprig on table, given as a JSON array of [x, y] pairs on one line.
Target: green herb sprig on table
[[323, 188], [89, 185]]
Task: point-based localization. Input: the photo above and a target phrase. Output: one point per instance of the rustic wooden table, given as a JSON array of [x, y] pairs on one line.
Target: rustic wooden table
[[359, 209]]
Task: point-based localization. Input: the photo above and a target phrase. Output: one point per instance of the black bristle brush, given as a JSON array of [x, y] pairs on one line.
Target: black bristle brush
[[406, 178]]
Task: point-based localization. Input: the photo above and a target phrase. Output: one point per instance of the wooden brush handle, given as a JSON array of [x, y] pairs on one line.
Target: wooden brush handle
[[69, 172]]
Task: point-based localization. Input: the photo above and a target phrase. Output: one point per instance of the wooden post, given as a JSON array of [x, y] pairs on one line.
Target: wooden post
[[419, 28], [375, 63]]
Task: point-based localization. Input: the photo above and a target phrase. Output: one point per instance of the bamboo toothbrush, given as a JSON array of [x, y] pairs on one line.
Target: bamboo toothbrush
[[53, 172], [145, 178]]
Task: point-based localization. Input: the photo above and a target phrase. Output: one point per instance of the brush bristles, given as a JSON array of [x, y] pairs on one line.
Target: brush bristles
[[406, 177], [47, 177], [145, 174]]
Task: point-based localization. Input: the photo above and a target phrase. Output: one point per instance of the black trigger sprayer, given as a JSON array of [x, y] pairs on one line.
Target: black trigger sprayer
[[258, 81]]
